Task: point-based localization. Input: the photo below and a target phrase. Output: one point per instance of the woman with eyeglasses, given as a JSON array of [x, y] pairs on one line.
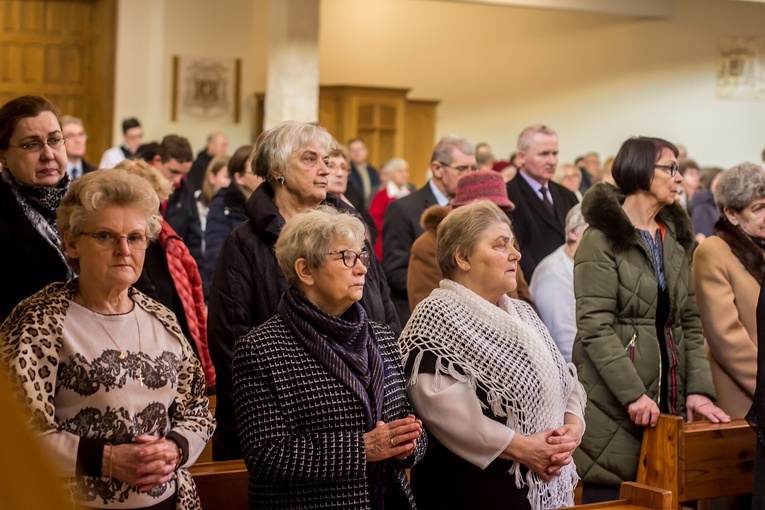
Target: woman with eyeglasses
[[32, 183], [114, 390], [639, 348], [293, 160], [321, 408]]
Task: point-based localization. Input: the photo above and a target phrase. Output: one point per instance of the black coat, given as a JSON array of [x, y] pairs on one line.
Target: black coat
[[198, 168], [538, 232], [401, 227], [246, 290], [302, 430], [29, 261], [182, 214], [225, 214]]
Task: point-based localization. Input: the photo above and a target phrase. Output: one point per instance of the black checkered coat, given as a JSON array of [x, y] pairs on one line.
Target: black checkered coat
[[301, 429]]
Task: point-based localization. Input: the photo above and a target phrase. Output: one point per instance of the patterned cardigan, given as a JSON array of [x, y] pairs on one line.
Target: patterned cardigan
[[32, 337], [301, 429]]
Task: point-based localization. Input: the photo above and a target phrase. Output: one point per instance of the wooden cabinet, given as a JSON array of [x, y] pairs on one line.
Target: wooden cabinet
[[391, 125]]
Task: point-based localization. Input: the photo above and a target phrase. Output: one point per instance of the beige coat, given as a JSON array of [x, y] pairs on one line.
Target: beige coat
[[727, 296]]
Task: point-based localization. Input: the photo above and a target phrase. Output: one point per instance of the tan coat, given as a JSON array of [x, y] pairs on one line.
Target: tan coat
[[727, 296], [423, 274]]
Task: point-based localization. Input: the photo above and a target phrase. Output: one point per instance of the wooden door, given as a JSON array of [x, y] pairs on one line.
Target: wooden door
[[63, 50]]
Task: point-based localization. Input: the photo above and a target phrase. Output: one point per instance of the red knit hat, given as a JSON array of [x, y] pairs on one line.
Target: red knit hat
[[482, 185]]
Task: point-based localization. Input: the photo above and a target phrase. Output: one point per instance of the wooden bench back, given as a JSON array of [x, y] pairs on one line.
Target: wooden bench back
[[635, 496], [698, 460], [221, 485]]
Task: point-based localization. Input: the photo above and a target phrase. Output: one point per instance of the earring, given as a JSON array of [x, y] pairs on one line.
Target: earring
[[280, 179]]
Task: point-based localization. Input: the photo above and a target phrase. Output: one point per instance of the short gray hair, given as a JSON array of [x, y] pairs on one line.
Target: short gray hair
[[310, 235], [461, 230], [275, 146], [394, 164], [446, 146], [524, 139], [574, 220], [738, 187], [96, 190]]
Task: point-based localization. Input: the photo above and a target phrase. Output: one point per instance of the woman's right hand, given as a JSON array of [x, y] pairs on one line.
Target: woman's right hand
[[535, 452], [644, 411], [393, 439]]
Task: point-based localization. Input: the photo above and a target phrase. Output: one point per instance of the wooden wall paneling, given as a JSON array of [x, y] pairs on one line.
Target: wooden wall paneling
[[63, 50], [420, 138]]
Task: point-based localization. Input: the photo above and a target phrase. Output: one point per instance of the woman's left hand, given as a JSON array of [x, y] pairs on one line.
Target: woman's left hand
[[159, 456], [702, 405], [571, 430]]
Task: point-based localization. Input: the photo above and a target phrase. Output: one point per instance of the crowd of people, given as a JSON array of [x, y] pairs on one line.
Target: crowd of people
[[504, 332]]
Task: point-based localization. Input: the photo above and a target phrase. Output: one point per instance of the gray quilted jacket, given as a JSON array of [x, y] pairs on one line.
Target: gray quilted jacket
[[616, 350]]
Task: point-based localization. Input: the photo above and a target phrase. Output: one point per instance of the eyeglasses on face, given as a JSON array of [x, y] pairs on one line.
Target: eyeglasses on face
[[673, 168], [53, 143], [350, 257], [460, 169], [109, 239]]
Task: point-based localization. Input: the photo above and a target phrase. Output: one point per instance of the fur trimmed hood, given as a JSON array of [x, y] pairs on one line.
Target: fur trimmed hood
[[433, 216], [602, 209]]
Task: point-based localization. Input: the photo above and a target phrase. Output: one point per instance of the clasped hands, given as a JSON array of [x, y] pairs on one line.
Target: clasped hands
[[546, 452], [396, 439], [146, 463]]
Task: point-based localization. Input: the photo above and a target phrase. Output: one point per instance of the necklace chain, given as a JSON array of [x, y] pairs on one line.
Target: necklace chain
[[122, 352]]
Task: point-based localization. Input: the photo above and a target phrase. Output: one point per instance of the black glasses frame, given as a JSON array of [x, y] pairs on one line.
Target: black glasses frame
[[460, 169], [350, 257], [673, 168]]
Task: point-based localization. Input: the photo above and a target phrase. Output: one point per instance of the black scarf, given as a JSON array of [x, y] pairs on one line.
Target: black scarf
[[345, 345]]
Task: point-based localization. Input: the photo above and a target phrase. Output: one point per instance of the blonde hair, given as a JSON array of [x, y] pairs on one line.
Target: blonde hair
[[461, 230], [310, 235], [102, 188], [138, 167], [217, 164]]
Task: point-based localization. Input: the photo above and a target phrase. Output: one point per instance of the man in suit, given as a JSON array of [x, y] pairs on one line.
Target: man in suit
[[363, 175], [452, 157], [541, 205], [76, 140]]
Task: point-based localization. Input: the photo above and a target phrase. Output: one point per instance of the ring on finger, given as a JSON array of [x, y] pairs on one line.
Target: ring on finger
[[392, 443]]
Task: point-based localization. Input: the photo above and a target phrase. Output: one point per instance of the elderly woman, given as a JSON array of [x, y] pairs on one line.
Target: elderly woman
[[727, 274], [498, 400], [423, 273], [115, 392], [552, 286], [339, 432], [32, 183], [338, 185], [639, 347], [396, 172], [292, 159]]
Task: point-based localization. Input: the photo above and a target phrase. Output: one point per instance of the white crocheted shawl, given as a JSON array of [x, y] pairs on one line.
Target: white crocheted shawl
[[506, 351]]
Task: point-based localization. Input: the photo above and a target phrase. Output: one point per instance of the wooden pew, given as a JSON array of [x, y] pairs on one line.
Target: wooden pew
[[221, 485], [635, 496], [698, 460]]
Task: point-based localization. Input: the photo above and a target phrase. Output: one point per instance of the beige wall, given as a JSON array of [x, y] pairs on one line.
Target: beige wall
[[597, 79], [151, 32]]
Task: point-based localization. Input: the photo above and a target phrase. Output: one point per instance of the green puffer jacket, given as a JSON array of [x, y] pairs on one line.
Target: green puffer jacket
[[616, 350]]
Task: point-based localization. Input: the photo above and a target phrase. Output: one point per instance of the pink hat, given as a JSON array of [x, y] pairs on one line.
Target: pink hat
[[482, 185]]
